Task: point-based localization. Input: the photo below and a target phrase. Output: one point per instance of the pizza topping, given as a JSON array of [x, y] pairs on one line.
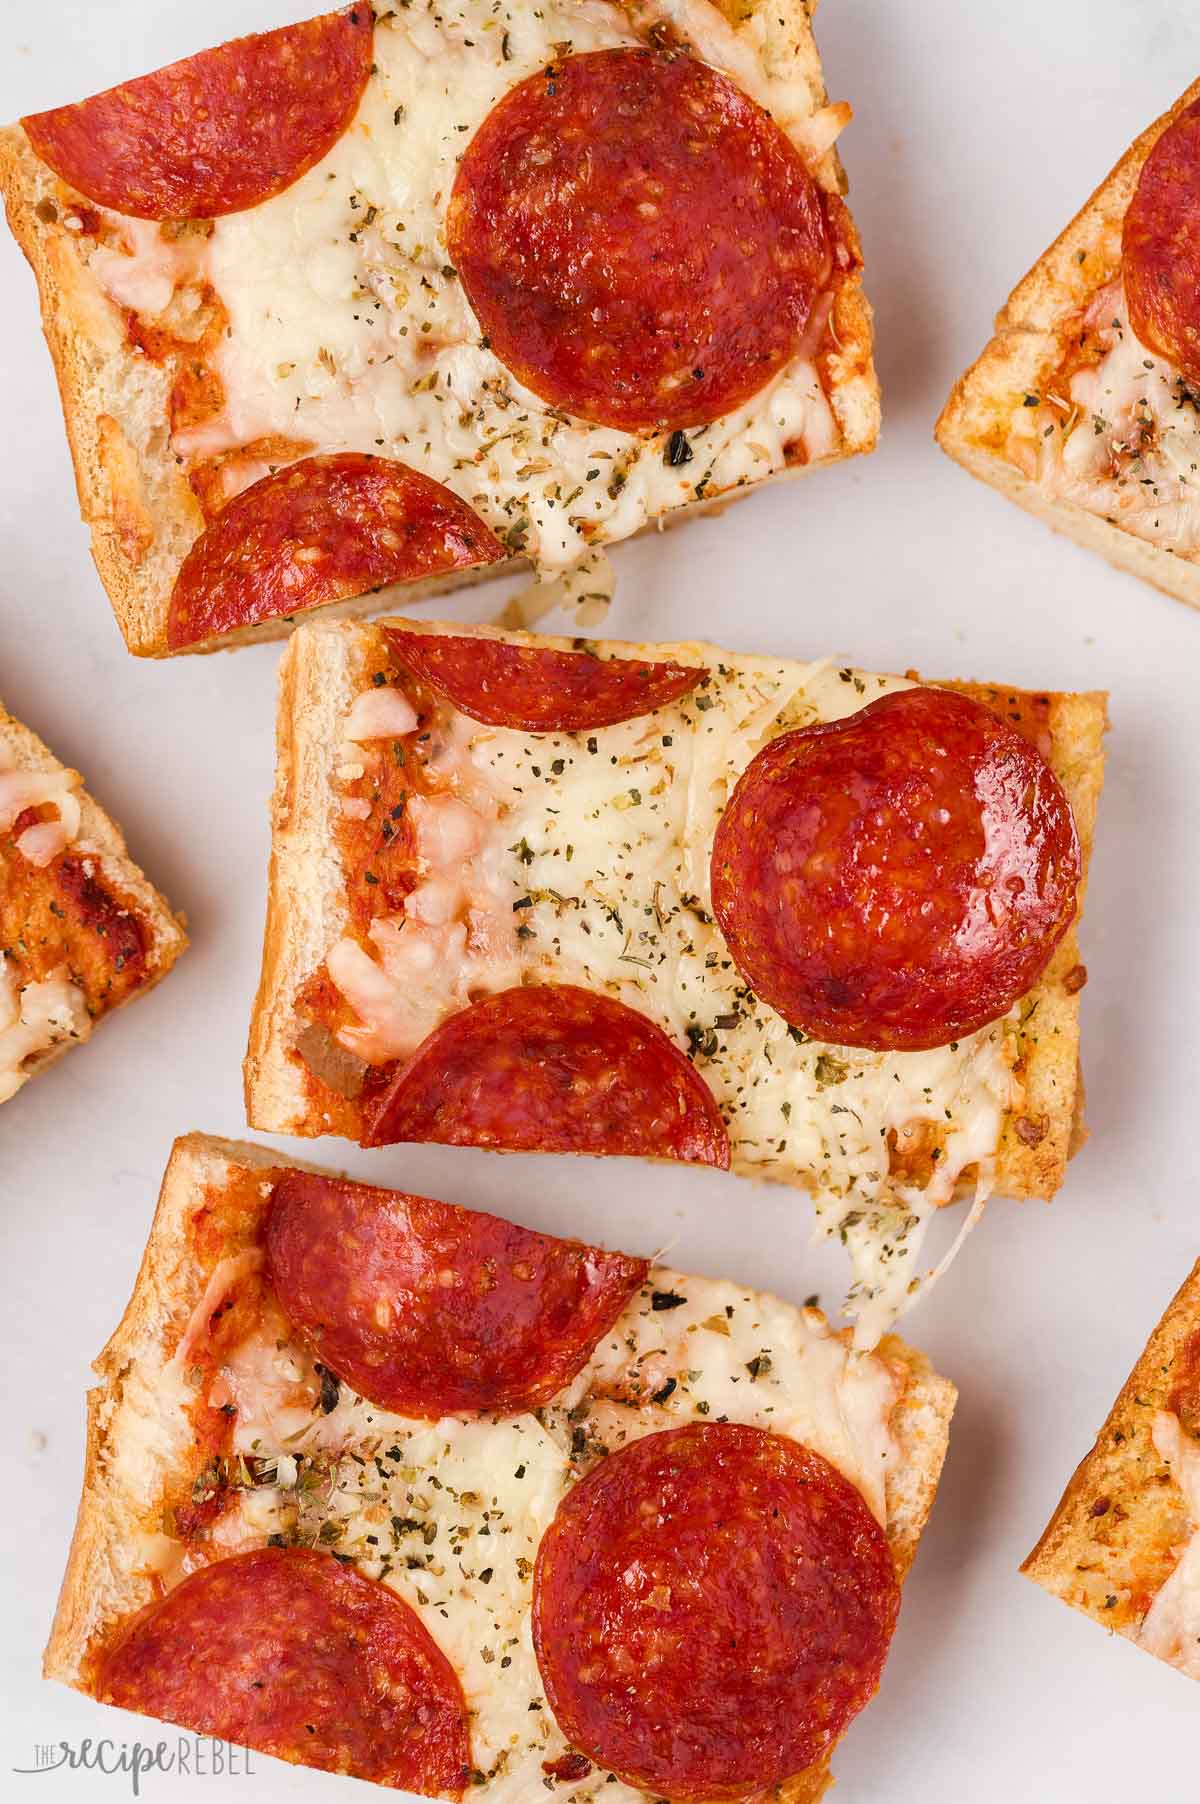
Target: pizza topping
[[536, 689], [429, 1310], [897, 879], [24, 794], [712, 1606], [287, 1651], [34, 1020], [321, 530], [1170, 1628], [218, 132], [1160, 247], [551, 1068], [641, 243]]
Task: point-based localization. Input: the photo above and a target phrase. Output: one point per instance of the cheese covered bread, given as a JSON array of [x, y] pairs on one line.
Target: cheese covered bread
[[1124, 1542], [362, 1468], [83, 932], [512, 904], [1082, 407], [403, 295]]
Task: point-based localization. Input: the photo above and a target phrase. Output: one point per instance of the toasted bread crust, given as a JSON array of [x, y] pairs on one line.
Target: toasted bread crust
[[98, 832], [132, 493], [138, 1449], [306, 911], [1028, 346], [1115, 1537]]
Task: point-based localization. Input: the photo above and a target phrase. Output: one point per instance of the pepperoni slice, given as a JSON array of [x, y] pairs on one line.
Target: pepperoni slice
[[321, 530], [430, 1310], [554, 1069], [711, 1607], [290, 1652], [218, 132], [897, 879], [1161, 247], [641, 243], [536, 689], [96, 907]]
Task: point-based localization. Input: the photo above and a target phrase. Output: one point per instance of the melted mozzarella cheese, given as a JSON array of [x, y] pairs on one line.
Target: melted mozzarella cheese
[[22, 789], [349, 328], [1128, 448], [1172, 1625], [590, 865], [39, 1017], [33, 1021], [450, 1514]]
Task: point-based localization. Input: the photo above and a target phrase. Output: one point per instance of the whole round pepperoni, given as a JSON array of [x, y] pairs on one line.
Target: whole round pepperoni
[[218, 132], [430, 1310], [555, 1069], [711, 1607], [899, 878], [321, 530], [288, 1651], [539, 690], [641, 243], [1161, 247]]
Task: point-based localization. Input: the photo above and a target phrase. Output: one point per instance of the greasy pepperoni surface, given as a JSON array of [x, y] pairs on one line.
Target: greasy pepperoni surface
[[641, 243], [1161, 247], [290, 1652], [551, 1068], [67, 918], [536, 689], [897, 879], [431, 1310], [321, 530], [711, 1607], [97, 909], [218, 132]]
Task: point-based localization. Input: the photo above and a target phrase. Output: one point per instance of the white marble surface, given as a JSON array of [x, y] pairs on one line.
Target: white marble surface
[[979, 131]]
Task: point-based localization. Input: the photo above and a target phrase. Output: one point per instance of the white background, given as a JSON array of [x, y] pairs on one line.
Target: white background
[[979, 130]]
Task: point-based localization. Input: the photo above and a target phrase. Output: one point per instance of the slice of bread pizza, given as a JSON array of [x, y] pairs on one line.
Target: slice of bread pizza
[[510, 907], [380, 298], [389, 1487], [1124, 1543], [83, 931], [1082, 409]]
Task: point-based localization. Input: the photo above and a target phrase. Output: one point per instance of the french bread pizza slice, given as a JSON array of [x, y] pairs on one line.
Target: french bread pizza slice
[[566, 896], [1124, 1543], [82, 931], [1083, 407], [395, 1489], [402, 295]]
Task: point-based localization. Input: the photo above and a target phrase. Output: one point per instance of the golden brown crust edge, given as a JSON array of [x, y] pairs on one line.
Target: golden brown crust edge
[[305, 910], [1113, 1540], [1027, 347], [101, 1582], [98, 830], [1047, 1130], [140, 510], [100, 1587]]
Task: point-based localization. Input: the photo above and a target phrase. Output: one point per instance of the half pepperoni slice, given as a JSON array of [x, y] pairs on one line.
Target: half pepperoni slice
[[430, 1310], [711, 1607], [288, 1651], [641, 243], [899, 878], [219, 132], [1160, 247], [555, 1069], [537, 689], [321, 530]]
